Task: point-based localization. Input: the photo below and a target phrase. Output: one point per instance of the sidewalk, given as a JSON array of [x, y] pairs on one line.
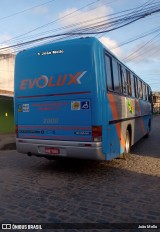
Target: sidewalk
[[7, 141]]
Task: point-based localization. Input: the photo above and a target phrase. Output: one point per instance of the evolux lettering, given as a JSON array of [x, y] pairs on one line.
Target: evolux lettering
[[43, 81]]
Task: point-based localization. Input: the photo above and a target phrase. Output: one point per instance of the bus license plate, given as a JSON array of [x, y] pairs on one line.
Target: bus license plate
[[52, 151]]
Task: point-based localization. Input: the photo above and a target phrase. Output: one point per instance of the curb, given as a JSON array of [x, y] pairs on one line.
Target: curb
[[7, 142], [9, 146]]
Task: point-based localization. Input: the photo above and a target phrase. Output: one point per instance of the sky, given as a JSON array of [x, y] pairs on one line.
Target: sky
[[22, 20]]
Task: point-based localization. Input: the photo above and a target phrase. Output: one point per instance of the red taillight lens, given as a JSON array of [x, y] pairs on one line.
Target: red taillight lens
[[16, 130], [97, 133]]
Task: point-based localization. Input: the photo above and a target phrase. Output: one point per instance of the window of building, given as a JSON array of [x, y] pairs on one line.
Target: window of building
[[108, 72]]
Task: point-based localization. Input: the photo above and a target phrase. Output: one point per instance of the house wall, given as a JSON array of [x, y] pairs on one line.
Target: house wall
[[6, 115], [7, 71]]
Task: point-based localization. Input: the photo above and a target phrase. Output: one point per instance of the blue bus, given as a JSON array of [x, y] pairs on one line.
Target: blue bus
[[75, 99]]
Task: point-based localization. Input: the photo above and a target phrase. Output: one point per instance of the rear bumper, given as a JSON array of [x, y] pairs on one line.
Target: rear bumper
[[93, 150]]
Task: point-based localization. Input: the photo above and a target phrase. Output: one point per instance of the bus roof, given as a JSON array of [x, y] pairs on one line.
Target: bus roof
[[76, 40]]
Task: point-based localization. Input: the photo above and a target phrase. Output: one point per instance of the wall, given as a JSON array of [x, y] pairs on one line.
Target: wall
[[7, 71], [6, 121]]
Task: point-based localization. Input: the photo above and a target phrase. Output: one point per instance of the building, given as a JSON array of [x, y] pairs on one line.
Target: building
[[6, 93], [7, 71], [156, 102], [6, 112]]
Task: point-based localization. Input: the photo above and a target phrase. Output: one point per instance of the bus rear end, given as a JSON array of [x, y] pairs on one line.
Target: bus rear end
[[55, 101]]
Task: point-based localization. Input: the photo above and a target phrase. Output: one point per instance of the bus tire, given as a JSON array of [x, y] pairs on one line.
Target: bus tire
[[127, 144], [149, 129], [146, 136]]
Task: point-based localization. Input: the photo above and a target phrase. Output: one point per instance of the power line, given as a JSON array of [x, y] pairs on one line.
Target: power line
[[151, 74], [140, 7], [152, 50], [99, 27], [28, 9], [70, 15], [140, 36], [140, 48], [56, 20]]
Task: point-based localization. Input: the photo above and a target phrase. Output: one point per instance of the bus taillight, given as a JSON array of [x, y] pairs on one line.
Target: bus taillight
[[16, 131], [97, 133]]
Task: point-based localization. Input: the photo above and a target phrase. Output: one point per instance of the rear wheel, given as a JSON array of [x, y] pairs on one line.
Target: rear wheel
[[127, 145], [148, 129]]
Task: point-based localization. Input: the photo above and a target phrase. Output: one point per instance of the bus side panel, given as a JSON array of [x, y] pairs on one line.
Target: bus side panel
[[115, 142], [99, 105], [126, 113]]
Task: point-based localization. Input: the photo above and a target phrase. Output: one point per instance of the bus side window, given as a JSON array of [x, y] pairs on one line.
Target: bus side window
[[149, 95], [144, 91], [124, 81], [133, 86], [116, 80], [129, 83], [136, 86], [120, 77], [140, 89], [108, 72]]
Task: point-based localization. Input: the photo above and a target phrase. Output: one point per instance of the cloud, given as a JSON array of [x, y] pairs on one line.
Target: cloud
[[84, 17], [4, 38], [111, 44]]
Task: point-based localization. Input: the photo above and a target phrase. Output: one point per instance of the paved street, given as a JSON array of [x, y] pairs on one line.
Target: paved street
[[36, 190]]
